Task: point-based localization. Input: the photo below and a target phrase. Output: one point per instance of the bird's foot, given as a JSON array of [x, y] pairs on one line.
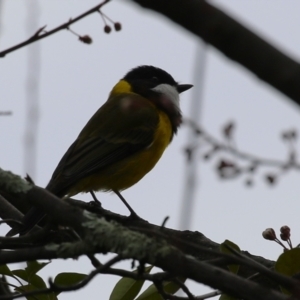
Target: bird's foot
[[96, 201], [133, 215]]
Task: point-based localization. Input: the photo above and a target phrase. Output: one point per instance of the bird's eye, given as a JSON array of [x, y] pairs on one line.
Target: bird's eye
[[154, 79]]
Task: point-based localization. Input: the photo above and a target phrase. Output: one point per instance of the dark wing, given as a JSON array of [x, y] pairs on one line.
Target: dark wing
[[123, 126]]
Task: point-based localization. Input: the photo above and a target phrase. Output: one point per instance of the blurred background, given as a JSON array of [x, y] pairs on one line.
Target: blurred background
[[54, 86]]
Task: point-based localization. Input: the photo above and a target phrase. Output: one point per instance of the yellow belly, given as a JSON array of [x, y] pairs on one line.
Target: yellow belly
[[129, 171]]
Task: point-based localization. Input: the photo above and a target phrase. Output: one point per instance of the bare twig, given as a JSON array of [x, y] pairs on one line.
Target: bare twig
[[37, 36], [163, 225], [243, 163], [214, 142], [209, 295], [184, 288], [162, 292], [56, 288], [168, 296], [84, 282]]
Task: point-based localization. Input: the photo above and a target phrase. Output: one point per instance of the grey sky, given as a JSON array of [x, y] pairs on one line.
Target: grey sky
[[76, 79]]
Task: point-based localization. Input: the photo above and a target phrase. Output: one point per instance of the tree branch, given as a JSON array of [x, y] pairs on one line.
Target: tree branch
[[233, 40], [103, 237], [140, 241]]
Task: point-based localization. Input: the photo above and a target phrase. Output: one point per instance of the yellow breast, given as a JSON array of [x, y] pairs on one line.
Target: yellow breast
[[129, 171]]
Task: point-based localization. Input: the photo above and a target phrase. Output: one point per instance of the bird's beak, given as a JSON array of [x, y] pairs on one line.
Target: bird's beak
[[183, 87]]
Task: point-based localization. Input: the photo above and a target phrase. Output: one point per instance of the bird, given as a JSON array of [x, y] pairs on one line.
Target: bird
[[122, 141]]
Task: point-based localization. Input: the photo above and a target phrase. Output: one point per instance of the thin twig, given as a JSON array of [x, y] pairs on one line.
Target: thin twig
[[85, 281], [209, 295], [184, 288], [163, 225], [161, 291], [56, 288], [37, 36], [286, 281], [210, 139]]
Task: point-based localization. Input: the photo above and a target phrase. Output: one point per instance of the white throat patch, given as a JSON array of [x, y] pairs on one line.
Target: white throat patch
[[170, 92]]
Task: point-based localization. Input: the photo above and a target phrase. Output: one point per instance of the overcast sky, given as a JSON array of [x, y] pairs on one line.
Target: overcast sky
[[75, 80]]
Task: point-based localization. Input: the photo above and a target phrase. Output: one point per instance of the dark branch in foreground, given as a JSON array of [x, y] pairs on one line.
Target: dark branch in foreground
[[233, 40], [102, 232]]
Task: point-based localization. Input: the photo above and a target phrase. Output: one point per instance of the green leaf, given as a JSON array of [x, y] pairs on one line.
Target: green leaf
[[34, 279], [151, 293], [66, 279], [128, 288], [33, 267], [37, 281], [288, 264], [225, 248], [29, 274], [4, 270], [21, 274]]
